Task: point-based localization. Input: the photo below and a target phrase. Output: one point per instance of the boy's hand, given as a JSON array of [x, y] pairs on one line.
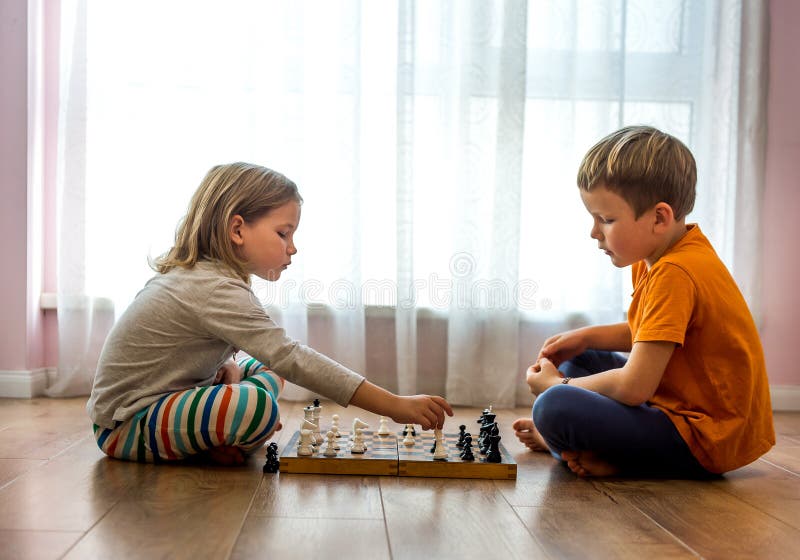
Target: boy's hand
[[563, 347], [229, 374], [542, 375], [425, 410]]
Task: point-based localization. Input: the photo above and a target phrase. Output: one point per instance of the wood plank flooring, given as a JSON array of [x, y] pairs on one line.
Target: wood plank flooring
[[61, 498]]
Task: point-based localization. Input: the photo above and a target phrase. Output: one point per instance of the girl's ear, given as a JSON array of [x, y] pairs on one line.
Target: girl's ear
[[235, 230], [664, 215]]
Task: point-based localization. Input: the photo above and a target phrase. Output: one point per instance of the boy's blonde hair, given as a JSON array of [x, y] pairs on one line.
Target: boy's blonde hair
[[248, 190], [644, 166]]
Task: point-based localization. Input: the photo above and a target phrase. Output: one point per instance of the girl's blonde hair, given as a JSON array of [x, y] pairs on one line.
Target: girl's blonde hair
[[251, 191]]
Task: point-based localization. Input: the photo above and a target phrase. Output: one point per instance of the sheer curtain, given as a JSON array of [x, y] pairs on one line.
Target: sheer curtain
[[436, 145]]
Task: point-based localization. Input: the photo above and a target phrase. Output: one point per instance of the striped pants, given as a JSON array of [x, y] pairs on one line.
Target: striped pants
[[189, 422]]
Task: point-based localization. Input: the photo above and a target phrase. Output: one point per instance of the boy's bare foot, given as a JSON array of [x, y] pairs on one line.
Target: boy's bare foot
[[587, 463], [227, 455], [527, 433]]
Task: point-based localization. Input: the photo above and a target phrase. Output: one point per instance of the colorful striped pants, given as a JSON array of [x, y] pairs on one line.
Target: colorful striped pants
[[189, 422]]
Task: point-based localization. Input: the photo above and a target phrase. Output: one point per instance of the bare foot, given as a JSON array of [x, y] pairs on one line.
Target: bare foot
[[227, 455], [527, 433], [587, 463]]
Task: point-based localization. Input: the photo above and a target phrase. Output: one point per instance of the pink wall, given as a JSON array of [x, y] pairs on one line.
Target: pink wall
[[14, 219], [781, 327]]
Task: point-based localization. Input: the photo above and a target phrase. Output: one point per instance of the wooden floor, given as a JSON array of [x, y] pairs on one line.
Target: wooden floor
[[61, 498]]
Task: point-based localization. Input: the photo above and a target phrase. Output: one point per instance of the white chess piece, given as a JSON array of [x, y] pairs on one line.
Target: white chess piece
[[357, 423], [305, 448], [330, 446], [335, 425], [311, 427], [408, 441], [315, 413], [439, 450], [384, 428], [358, 442]]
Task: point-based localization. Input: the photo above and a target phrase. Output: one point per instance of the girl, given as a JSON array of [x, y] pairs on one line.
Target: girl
[[166, 387]]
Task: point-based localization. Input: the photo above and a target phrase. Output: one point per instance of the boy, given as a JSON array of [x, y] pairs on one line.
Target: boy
[[692, 398]]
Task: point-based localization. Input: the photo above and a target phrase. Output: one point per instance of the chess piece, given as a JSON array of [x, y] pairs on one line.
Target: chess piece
[[358, 442], [305, 449], [462, 431], [466, 454], [410, 427], [273, 463], [335, 425], [330, 446], [408, 432], [440, 449], [358, 424], [486, 441], [316, 410], [383, 430], [493, 456]]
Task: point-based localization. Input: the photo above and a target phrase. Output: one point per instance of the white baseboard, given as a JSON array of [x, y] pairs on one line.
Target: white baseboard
[[785, 397], [23, 384]]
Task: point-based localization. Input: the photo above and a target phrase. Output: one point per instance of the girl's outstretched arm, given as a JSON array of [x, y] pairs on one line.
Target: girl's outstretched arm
[[425, 410]]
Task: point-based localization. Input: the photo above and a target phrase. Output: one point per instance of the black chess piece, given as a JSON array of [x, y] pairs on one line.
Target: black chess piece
[[487, 424], [466, 454], [493, 456], [461, 433], [483, 415], [273, 464], [494, 429], [316, 403]]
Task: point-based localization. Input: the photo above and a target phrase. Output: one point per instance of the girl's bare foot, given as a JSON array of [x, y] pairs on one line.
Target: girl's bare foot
[[587, 463], [227, 455], [527, 433]]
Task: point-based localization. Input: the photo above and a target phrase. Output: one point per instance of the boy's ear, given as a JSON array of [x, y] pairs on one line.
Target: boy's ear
[[235, 230], [664, 215]]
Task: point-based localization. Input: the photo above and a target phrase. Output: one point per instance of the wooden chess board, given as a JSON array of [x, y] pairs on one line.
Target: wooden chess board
[[387, 456]]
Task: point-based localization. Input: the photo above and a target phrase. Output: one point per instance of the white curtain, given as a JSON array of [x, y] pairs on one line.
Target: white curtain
[[436, 144]]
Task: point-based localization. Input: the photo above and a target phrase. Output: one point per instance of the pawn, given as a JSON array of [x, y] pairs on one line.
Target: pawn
[[383, 430], [408, 440], [466, 454], [273, 463], [462, 431], [358, 446], [330, 445], [335, 425]]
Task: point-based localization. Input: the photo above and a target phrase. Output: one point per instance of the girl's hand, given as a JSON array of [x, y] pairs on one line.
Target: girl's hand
[[563, 347], [229, 374], [542, 375], [425, 410]]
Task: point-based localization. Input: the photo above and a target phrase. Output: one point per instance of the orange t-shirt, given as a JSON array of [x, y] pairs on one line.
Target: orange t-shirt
[[714, 388]]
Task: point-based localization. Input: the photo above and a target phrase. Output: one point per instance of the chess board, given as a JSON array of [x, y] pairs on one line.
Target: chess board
[[387, 456]]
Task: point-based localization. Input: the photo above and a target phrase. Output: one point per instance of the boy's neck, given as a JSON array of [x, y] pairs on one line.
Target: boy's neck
[[675, 234]]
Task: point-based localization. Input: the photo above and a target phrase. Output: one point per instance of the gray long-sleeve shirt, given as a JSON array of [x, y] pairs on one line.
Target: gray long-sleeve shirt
[[182, 327]]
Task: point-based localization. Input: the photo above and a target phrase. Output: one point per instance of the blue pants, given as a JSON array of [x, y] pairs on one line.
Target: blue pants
[[638, 439]]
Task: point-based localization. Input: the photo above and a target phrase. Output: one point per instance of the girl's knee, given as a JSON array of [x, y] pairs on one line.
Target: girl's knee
[[258, 415], [256, 373]]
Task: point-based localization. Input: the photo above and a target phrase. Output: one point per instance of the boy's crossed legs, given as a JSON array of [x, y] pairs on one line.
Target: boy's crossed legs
[[598, 436]]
